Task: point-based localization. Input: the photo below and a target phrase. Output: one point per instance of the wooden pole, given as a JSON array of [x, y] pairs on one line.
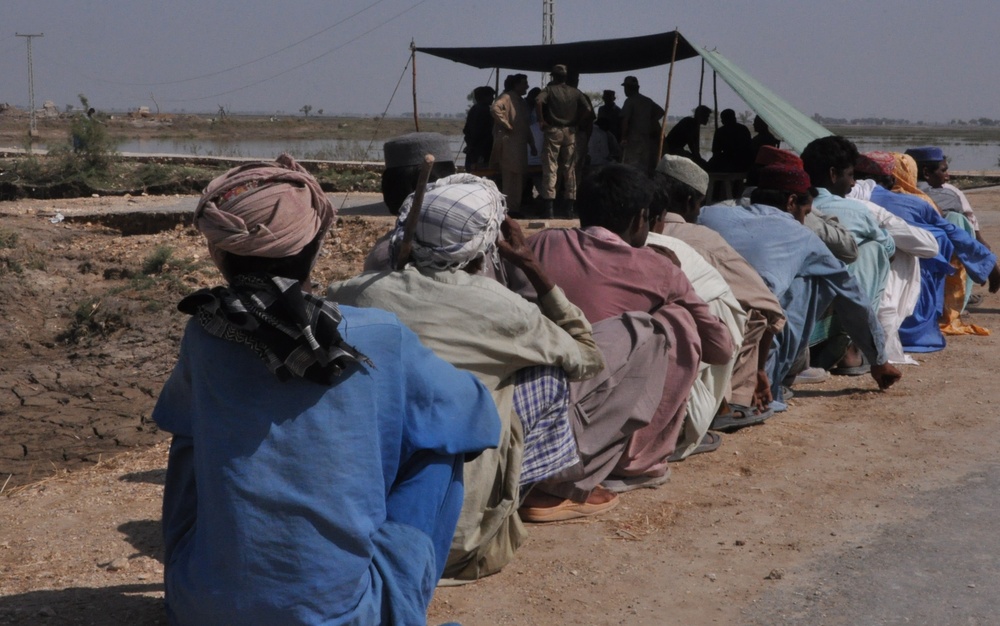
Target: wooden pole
[[715, 97], [701, 81], [666, 105], [413, 61], [403, 255]]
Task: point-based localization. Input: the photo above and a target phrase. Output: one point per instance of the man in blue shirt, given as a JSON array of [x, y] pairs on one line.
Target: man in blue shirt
[[799, 269], [315, 473]]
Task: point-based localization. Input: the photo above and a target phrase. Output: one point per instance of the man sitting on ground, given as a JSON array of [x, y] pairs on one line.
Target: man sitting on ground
[[800, 270], [932, 179], [315, 472], [713, 383], [829, 161], [605, 269], [902, 288], [523, 353], [680, 187], [922, 331]]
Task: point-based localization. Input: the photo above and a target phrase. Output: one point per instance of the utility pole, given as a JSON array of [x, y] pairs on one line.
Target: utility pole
[[32, 129], [548, 26]]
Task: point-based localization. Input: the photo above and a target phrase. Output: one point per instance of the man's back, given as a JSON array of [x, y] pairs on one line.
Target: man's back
[[564, 105], [640, 115], [604, 278], [276, 502], [685, 134]]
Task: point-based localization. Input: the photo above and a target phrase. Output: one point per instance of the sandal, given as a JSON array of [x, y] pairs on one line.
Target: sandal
[[564, 510], [709, 443], [631, 483], [739, 417]]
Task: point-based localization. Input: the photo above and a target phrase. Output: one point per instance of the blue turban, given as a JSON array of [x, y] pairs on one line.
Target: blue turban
[[926, 153]]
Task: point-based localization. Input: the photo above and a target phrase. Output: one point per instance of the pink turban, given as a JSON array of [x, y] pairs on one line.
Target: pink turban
[[879, 163], [270, 210]]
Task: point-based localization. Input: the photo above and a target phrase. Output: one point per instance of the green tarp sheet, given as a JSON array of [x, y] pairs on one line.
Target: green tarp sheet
[[787, 122]]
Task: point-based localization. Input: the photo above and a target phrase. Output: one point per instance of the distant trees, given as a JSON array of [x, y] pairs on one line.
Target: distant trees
[[306, 109]]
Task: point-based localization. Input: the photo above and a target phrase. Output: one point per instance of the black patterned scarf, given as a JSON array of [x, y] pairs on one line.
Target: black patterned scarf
[[294, 333]]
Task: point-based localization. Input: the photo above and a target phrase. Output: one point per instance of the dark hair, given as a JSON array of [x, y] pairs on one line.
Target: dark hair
[[886, 180], [670, 194], [512, 80], [826, 152], [779, 199], [613, 197], [533, 94], [727, 115], [483, 92], [933, 165], [297, 267], [701, 108], [399, 182]]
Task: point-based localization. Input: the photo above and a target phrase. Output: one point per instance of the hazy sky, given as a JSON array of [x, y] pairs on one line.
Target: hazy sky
[[912, 59]]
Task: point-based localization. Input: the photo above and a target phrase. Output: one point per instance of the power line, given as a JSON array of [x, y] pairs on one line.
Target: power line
[[303, 64], [246, 63]]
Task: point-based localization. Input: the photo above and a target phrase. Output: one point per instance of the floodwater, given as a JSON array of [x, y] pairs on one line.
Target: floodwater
[[321, 149], [964, 153]]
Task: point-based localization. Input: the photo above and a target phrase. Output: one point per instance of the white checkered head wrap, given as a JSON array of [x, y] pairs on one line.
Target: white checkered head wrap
[[458, 223]]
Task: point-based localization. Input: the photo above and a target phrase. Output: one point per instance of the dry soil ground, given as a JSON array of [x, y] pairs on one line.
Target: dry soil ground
[[88, 333]]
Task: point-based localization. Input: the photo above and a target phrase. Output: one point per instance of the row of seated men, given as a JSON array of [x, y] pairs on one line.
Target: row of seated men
[[542, 375]]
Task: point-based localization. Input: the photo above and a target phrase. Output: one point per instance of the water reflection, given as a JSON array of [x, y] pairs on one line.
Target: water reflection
[[322, 149]]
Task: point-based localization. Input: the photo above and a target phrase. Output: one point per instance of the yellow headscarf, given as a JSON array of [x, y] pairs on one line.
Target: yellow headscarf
[[951, 323], [905, 173]]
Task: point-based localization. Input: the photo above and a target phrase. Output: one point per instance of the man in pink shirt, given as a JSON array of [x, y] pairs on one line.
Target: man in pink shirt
[[605, 270]]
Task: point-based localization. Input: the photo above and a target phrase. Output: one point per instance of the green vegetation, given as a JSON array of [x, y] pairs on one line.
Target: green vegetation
[[8, 239], [153, 264]]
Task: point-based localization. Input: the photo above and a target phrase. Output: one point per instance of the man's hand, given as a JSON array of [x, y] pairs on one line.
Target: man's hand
[[994, 279], [762, 397], [511, 244], [885, 375], [513, 248]]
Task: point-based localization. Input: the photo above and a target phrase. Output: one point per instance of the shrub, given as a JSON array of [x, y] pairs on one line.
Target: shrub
[[154, 263]]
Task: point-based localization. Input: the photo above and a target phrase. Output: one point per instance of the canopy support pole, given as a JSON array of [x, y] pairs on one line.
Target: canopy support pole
[[701, 82], [715, 97], [666, 104], [496, 81], [413, 60]]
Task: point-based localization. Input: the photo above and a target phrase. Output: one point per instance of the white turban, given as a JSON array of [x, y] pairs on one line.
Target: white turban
[[458, 223]]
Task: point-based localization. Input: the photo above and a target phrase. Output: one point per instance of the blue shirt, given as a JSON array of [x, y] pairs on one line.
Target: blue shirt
[[856, 218], [781, 250], [915, 211], [278, 505]]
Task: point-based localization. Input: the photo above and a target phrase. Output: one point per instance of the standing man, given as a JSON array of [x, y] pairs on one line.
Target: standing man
[[562, 109], [478, 129], [611, 112], [512, 139], [640, 128]]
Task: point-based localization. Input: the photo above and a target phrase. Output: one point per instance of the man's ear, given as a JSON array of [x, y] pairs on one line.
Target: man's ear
[[791, 206], [693, 204], [637, 221], [832, 175]]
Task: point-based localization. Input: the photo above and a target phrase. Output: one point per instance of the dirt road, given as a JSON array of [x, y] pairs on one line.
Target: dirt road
[[749, 534]]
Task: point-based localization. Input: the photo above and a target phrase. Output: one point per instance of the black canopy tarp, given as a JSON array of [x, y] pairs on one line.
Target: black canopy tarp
[[599, 56]]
